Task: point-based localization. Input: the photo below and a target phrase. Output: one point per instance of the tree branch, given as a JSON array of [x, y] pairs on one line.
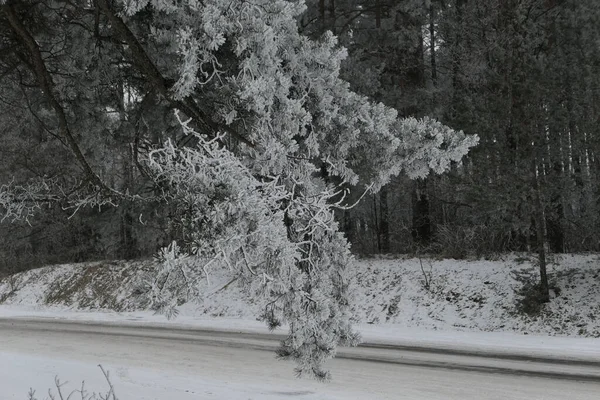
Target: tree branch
[[47, 85], [147, 67]]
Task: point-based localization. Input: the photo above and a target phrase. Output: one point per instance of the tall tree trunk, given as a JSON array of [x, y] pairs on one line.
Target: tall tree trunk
[[421, 222], [456, 50], [555, 232], [384, 225], [556, 180], [540, 234], [322, 16], [432, 44], [348, 225], [127, 240], [376, 224], [332, 16]]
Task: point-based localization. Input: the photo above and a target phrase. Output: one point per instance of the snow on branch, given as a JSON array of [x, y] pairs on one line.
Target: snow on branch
[[20, 202], [280, 242], [229, 218]]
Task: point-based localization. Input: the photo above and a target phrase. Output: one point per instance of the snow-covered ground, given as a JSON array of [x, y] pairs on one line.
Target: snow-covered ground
[[446, 304], [147, 365], [468, 296], [130, 383], [39, 373]]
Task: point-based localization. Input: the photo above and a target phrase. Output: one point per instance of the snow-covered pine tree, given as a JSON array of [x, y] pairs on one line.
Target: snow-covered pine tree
[[263, 207], [271, 127]]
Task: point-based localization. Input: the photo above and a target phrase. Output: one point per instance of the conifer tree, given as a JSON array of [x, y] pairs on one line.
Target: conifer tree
[[256, 133]]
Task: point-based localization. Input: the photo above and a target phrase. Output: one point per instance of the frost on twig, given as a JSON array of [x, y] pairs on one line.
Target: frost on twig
[[20, 202], [61, 393]]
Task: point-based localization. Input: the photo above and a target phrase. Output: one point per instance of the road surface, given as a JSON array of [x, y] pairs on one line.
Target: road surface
[[245, 363]]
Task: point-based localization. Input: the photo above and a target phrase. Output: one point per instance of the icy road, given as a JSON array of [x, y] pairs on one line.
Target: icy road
[[180, 364]]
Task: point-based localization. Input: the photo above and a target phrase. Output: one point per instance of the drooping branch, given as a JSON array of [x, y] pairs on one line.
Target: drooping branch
[[46, 84], [143, 62]]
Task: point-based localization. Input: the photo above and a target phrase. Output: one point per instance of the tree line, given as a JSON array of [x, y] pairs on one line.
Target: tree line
[[523, 75]]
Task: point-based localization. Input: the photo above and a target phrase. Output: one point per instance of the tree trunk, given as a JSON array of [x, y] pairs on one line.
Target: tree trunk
[[348, 225], [384, 226], [555, 232], [332, 16], [432, 44], [128, 246], [376, 225], [540, 236], [421, 222], [322, 16], [127, 240]]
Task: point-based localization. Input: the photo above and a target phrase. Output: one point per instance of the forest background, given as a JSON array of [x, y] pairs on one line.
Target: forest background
[[522, 74]]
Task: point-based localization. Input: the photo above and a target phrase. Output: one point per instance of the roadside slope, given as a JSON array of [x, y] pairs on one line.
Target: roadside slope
[[442, 295]]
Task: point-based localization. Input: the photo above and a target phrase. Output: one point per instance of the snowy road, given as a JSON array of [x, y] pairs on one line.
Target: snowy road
[[155, 363]]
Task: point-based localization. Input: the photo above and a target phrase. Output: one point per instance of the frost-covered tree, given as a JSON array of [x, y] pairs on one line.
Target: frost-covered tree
[[265, 137]]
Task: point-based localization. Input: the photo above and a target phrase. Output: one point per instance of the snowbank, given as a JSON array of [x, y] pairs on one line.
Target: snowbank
[[396, 294]]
